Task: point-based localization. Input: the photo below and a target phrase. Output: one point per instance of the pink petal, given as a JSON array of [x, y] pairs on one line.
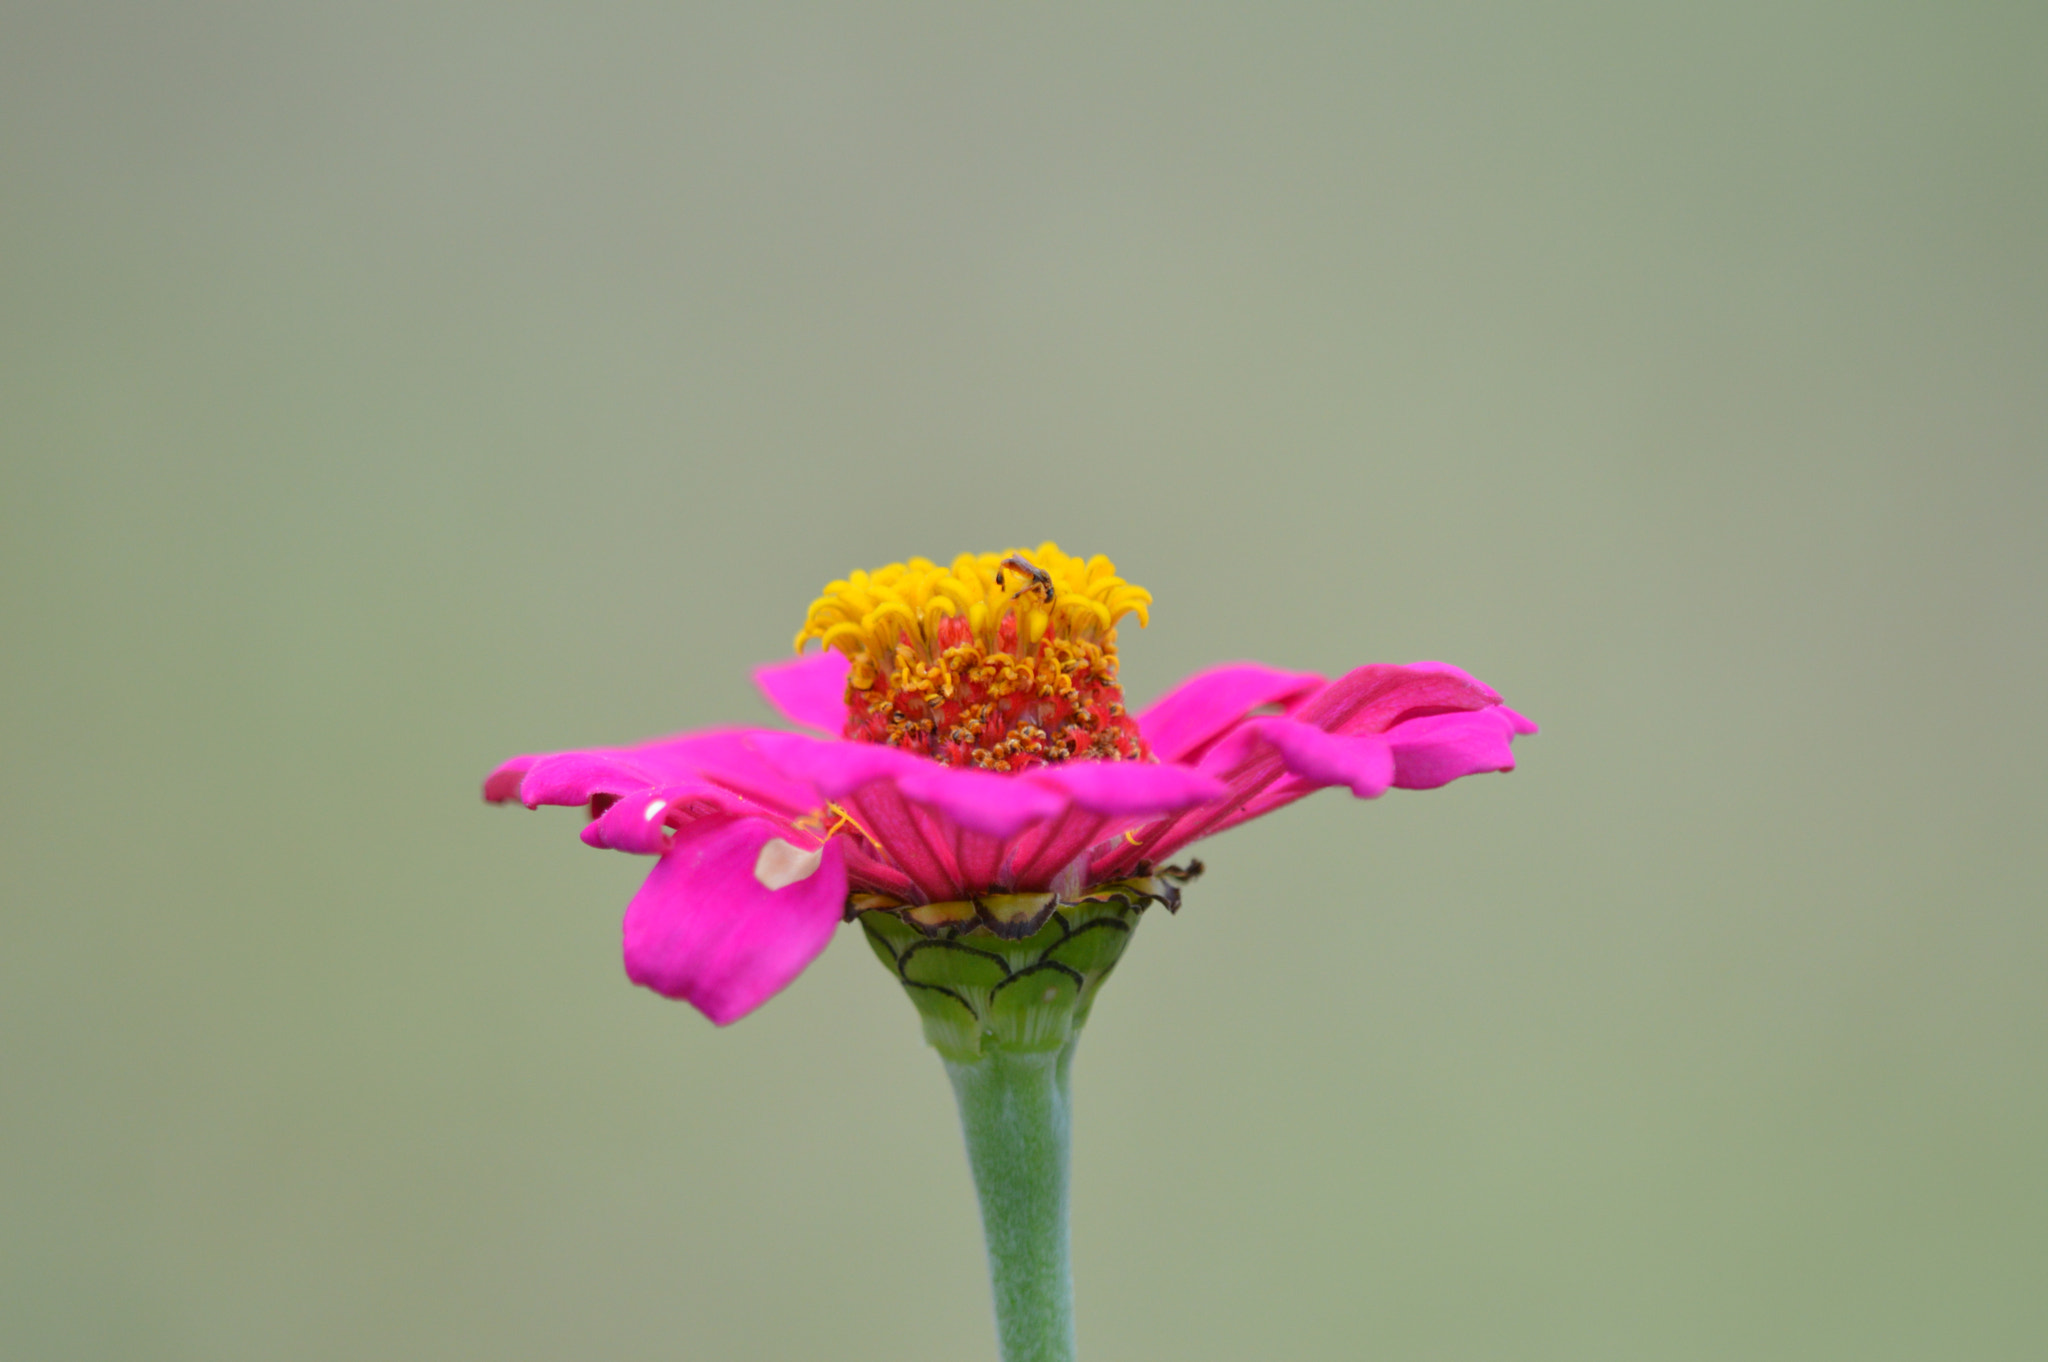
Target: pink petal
[[1440, 748], [808, 690], [986, 801], [1361, 762], [640, 823], [1128, 789], [578, 777], [1426, 752], [915, 841], [832, 769], [739, 759], [1333, 738], [999, 805], [1207, 704], [1039, 857], [979, 857], [866, 870], [502, 784], [1448, 669], [1266, 762], [1373, 699], [733, 758], [706, 928]]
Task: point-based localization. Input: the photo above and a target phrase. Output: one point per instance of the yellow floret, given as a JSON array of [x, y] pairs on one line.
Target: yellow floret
[[869, 614]]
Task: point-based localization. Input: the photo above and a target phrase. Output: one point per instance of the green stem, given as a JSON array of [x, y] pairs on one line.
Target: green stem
[[1016, 1114]]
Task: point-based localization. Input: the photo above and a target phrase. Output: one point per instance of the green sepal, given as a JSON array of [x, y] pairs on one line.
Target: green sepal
[[1015, 916], [952, 964], [884, 952], [1093, 947], [888, 931], [1085, 1004], [950, 1025], [1034, 1009], [954, 915], [1033, 947], [969, 974]]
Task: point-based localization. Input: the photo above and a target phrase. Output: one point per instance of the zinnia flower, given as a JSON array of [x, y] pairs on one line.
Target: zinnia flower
[[972, 770]]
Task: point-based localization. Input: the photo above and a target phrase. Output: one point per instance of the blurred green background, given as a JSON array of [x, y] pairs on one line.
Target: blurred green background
[[390, 388]]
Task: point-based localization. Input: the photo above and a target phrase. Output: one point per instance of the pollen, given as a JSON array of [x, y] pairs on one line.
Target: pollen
[[1003, 661]]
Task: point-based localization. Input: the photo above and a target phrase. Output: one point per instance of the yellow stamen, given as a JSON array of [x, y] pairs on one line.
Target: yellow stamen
[[848, 820]]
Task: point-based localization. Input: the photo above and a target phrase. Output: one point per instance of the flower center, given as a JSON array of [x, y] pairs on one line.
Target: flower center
[[1002, 660]]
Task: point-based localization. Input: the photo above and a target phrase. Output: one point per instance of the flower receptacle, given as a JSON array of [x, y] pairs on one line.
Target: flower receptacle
[[1011, 972]]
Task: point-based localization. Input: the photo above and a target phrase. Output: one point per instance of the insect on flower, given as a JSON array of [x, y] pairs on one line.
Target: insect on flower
[[1036, 578]]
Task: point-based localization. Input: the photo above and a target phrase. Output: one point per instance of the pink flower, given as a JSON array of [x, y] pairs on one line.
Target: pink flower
[[971, 747]]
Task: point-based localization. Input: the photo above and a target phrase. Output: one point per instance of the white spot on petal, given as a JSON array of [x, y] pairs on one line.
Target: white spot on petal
[[654, 809], [781, 864]]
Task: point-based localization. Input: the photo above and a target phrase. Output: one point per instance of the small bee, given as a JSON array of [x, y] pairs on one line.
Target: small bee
[[1036, 578]]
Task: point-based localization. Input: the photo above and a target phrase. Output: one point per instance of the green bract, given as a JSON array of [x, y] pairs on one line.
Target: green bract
[[1012, 972]]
